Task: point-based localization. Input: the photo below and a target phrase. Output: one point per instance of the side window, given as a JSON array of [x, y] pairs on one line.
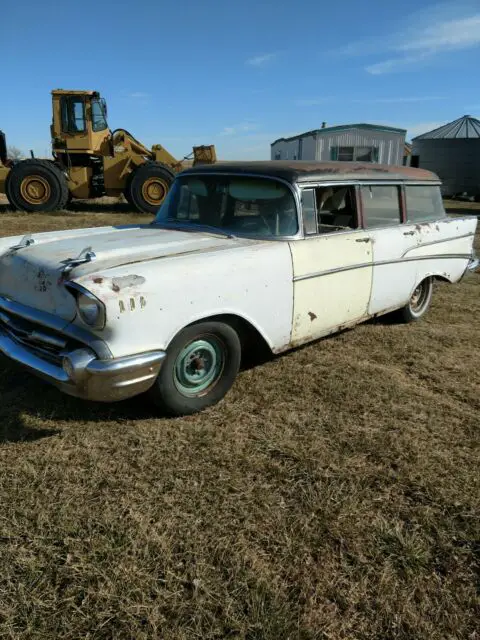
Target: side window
[[336, 207], [366, 154], [359, 154], [381, 206], [424, 203], [345, 154], [99, 122], [187, 204], [73, 114]]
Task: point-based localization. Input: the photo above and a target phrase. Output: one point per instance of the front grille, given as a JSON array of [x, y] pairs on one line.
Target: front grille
[[46, 343]]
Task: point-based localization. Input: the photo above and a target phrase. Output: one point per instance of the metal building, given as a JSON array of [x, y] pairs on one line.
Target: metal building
[[453, 153], [361, 142]]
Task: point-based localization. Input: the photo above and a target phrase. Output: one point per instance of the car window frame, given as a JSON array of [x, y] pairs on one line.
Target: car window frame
[[332, 183], [428, 220], [291, 185], [401, 203]]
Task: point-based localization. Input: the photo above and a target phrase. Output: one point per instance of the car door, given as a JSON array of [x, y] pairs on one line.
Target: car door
[[394, 276], [443, 244], [332, 274]]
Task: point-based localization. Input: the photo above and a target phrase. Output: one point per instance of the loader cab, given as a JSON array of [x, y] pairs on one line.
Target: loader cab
[[79, 123]]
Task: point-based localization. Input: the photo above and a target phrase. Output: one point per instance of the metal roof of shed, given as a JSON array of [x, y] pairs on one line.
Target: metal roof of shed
[[464, 127], [344, 127]]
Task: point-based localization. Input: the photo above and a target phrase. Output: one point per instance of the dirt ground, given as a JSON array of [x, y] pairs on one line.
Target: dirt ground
[[334, 494]]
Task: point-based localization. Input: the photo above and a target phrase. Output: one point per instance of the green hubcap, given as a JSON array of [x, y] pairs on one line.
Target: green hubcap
[[199, 366]]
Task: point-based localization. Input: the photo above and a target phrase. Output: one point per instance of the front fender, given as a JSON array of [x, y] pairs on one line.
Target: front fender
[[148, 303]]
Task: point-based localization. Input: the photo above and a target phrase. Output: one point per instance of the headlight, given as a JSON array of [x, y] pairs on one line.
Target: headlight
[[91, 310]]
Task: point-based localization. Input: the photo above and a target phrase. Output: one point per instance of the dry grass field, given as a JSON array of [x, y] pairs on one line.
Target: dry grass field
[[334, 494]]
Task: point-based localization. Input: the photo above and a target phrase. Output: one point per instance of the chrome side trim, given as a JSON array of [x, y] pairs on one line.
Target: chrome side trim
[[398, 182], [363, 265], [57, 324], [328, 272], [429, 244]]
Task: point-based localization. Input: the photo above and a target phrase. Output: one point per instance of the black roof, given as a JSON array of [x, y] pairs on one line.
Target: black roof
[[302, 171]]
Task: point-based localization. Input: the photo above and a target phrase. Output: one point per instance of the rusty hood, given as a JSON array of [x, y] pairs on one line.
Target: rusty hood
[[35, 269]]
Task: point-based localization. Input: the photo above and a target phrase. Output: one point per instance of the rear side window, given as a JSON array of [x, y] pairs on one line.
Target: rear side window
[[381, 206], [423, 203]]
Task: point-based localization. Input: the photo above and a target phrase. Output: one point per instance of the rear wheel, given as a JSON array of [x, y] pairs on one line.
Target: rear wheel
[[36, 186], [419, 302], [148, 186], [201, 366]]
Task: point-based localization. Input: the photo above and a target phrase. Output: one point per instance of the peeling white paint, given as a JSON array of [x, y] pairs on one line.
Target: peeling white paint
[[326, 300]]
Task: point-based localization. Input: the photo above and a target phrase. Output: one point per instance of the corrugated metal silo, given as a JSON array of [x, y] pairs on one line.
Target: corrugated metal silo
[[453, 153]]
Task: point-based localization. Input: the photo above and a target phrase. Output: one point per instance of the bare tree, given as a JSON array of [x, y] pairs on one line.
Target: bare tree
[[14, 153]]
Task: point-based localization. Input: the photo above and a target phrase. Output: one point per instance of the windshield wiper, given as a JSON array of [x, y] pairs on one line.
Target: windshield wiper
[[189, 226]]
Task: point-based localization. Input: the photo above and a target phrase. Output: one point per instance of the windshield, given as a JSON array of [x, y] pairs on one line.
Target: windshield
[[237, 204], [99, 120]]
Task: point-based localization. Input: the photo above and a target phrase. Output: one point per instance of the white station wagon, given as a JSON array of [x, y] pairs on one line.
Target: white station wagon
[[240, 255]]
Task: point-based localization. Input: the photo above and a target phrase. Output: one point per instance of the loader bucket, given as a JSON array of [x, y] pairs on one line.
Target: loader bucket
[[205, 154]]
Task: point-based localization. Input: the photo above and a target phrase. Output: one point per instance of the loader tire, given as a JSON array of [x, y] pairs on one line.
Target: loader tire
[[149, 185], [36, 186], [128, 198]]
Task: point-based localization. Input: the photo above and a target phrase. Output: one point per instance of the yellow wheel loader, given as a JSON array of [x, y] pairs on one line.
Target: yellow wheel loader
[[90, 161], [5, 163]]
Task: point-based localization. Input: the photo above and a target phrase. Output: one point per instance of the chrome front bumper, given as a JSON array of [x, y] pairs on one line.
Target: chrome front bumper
[[85, 376]]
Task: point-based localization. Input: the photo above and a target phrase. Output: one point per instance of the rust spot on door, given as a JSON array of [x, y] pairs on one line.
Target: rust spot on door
[[312, 316]]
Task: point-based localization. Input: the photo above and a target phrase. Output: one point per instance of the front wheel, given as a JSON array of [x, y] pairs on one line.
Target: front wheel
[[419, 302], [201, 366], [148, 186], [36, 186]]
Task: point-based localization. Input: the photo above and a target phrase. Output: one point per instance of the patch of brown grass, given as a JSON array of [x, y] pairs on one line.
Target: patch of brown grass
[[333, 494]]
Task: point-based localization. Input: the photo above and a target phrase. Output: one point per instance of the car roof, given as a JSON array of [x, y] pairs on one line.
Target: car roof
[[302, 171]]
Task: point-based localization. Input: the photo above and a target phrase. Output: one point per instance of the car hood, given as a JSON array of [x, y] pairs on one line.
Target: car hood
[[35, 275]]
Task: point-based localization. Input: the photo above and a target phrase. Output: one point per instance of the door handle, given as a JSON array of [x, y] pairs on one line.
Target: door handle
[[409, 233], [362, 240]]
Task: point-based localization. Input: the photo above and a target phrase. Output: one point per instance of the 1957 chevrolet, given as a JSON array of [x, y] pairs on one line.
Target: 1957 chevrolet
[[239, 255]]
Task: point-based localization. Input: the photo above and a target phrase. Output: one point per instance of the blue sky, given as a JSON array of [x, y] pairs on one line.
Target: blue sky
[[239, 74]]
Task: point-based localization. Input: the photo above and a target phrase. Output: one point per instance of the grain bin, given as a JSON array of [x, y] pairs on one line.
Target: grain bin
[[453, 153]]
